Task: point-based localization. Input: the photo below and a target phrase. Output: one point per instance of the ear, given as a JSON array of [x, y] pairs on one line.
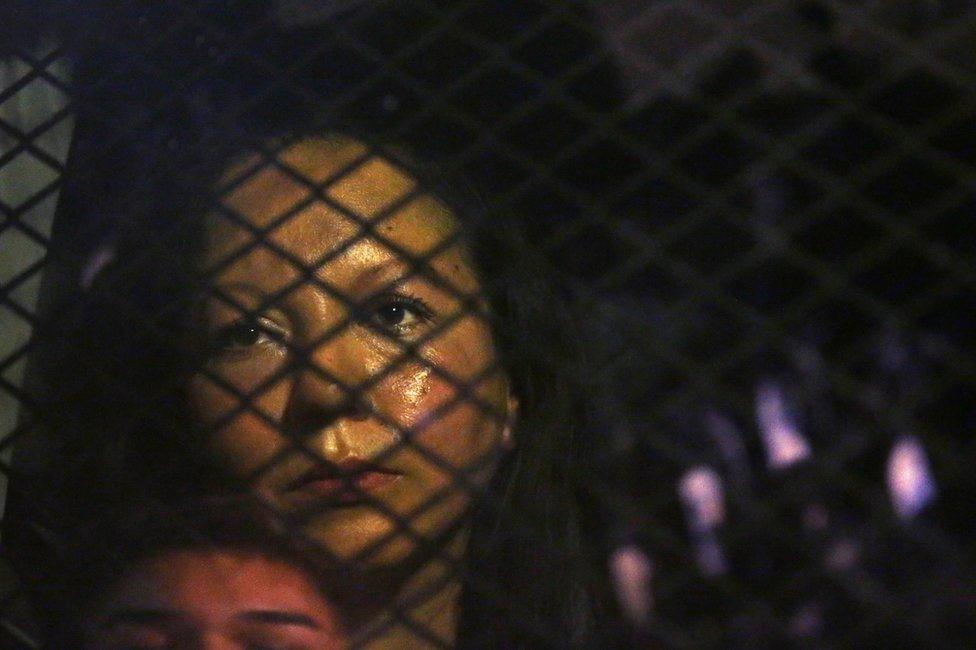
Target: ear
[[511, 419]]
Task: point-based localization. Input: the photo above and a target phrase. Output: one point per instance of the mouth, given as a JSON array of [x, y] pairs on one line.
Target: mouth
[[347, 483]]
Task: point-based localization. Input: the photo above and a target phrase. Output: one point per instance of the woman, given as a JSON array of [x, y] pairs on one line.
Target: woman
[[370, 351], [352, 377], [317, 302]]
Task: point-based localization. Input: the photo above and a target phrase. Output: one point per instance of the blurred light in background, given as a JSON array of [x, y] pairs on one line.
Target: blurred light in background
[[632, 573], [909, 478], [704, 501], [785, 444]]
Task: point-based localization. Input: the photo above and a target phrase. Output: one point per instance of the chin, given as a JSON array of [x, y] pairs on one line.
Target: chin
[[372, 540]]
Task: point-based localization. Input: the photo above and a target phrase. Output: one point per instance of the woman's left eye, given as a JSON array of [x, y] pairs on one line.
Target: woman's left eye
[[398, 314]]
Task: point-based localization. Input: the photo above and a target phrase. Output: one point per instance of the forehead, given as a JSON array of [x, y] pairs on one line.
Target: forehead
[[315, 199], [189, 580]]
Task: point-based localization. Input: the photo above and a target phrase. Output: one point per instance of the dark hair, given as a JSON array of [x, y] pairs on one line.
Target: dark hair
[[121, 418]]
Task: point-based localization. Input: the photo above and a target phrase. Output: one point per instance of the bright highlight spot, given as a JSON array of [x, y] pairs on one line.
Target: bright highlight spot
[[910, 482], [632, 572], [785, 444]]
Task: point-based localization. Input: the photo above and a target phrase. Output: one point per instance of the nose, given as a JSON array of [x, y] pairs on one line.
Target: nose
[[324, 385]]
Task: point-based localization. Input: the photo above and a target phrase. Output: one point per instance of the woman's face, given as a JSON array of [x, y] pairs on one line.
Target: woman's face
[[346, 383]]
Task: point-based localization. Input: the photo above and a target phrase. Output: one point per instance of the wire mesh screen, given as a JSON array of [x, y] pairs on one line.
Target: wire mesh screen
[[487, 324]]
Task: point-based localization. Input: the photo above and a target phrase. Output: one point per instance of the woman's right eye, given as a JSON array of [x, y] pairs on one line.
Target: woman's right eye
[[243, 335]]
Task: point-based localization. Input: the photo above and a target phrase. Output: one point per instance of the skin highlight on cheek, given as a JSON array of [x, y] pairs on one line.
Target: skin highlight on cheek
[[412, 388]]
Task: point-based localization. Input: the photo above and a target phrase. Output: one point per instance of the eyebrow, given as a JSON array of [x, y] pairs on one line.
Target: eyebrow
[[393, 271], [278, 617]]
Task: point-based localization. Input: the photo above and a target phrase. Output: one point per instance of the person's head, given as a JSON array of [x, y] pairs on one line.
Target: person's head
[[388, 366], [212, 599], [383, 326], [349, 373], [213, 574]]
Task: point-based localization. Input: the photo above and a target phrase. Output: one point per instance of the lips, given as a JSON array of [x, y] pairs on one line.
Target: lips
[[347, 483]]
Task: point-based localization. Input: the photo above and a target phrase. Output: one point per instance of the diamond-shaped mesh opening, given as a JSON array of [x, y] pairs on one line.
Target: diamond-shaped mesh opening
[[427, 324]]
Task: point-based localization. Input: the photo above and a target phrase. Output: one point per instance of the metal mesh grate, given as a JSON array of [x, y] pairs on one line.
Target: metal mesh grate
[[621, 323]]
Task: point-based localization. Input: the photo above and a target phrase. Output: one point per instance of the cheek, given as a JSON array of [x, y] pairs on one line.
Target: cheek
[[460, 429], [403, 397], [454, 406]]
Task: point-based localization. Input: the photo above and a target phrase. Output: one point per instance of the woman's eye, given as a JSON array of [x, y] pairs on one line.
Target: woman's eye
[[246, 334], [399, 314]]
